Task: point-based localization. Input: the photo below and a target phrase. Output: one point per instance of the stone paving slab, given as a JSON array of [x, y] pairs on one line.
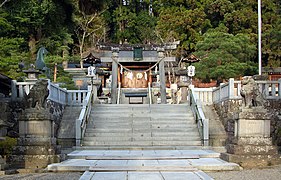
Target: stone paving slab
[[197, 175], [190, 154], [208, 164], [138, 157]]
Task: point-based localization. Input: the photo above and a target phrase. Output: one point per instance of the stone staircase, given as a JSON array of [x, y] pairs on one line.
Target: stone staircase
[[132, 126], [134, 142]]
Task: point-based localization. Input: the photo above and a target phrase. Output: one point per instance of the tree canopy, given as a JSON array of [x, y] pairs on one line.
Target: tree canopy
[[221, 32]]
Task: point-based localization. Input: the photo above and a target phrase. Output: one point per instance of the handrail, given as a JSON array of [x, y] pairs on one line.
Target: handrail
[[76, 97], [149, 93], [200, 119], [81, 122], [57, 94], [119, 93]]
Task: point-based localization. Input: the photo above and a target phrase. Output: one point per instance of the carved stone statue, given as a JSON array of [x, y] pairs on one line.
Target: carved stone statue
[[251, 94], [38, 95]]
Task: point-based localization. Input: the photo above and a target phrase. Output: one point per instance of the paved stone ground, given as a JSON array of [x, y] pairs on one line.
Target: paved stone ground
[[269, 173]]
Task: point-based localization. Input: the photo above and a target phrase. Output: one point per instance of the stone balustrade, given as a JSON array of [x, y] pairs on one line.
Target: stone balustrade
[[56, 93], [231, 91]]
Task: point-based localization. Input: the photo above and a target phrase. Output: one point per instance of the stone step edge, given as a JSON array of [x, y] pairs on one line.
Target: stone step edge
[[139, 147], [141, 168], [141, 157]]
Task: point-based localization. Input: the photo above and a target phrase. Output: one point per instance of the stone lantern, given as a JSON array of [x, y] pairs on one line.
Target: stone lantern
[[92, 73], [32, 73], [186, 74]]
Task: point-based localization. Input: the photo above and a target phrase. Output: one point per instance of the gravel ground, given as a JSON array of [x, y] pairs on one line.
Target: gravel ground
[[44, 176], [268, 173]]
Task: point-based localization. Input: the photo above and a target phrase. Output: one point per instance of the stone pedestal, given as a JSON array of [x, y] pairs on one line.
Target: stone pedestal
[[184, 91], [36, 146], [96, 85], [252, 145]]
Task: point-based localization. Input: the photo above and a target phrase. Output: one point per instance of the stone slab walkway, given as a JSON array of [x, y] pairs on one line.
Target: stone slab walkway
[[198, 175], [143, 164]]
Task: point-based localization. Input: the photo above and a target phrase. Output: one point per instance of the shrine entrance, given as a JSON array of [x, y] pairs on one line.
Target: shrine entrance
[[135, 79]]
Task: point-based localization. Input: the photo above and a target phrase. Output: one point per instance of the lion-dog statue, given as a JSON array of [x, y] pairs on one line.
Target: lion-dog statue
[[251, 94], [37, 97]]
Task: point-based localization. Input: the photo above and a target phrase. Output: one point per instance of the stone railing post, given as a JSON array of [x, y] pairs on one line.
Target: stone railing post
[[231, 88], [14, 89], [115, 57], [162, 75], [220, 92], [279, 88]]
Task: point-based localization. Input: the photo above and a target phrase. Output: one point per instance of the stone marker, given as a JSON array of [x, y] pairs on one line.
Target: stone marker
[[36, 147], [252, 144]]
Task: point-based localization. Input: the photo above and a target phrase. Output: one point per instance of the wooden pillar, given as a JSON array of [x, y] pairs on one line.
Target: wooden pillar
[[150, 78], [114, 74], [162, 76], [119, 76]]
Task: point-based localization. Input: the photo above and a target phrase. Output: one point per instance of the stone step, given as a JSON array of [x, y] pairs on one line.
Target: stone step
[[139, 129], [143, 143], [121, 161], [157, 106], [130, 111], [140, 120], [148, 118], [93, 133], [204, 164], [136, 138], [120, 147], [145, 115], [139, 125], [142, 154], [150, 123]]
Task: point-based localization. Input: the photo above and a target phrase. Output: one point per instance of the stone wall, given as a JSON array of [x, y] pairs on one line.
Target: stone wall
[[276, 123], [56, 110], [228, 111]]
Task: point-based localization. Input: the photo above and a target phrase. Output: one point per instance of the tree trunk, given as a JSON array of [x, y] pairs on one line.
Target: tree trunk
[[32, 47], [81, 49]]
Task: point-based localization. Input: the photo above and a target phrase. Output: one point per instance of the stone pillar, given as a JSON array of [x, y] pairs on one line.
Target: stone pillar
[[162, 76], [36, 146], [96, 84], [183, 85], [114, 74], [252, 144]]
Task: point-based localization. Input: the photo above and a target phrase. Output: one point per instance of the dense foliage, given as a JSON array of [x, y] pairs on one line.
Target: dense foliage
[[221, 32]]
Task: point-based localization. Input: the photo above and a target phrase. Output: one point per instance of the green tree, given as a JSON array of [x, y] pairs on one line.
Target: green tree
[[11, 55], [179, 23], [224, 55]]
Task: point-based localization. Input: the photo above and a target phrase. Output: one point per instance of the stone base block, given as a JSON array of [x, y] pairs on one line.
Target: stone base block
[[250, 161], [251, 149], [66, 143], [2, 163], [35, 150], [261, 141], [217, 140], [33, 161], [36, 141]]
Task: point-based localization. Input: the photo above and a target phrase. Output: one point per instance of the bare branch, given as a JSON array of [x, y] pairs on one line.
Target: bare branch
[[2, 4]]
